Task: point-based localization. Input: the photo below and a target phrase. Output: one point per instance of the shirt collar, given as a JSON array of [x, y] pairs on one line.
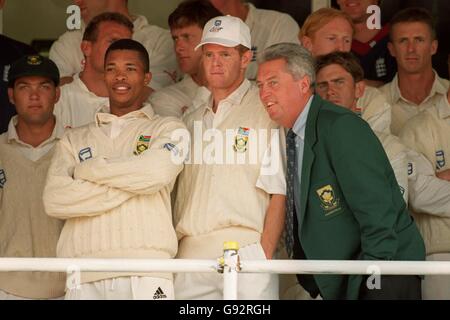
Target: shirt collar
[[439, 87], [443, 108], [300, 124], [235, 98], [105, 117], [58, 132]]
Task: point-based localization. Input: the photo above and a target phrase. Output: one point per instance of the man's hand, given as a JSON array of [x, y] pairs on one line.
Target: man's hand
[[65, 80], [444, 175]]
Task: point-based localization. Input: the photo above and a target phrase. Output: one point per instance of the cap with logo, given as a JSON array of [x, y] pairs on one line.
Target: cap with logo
[[33, 65], [226, 31]]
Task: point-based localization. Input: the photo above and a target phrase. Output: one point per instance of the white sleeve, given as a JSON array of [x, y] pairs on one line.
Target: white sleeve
[[400, 166], [146, 173], [166, 105], [66, 197], [285, 29], [66, 53], [427, 193], [272, 177], [376, 110]]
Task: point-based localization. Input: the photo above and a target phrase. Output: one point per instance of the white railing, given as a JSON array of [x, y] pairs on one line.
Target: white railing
[[230, 266]]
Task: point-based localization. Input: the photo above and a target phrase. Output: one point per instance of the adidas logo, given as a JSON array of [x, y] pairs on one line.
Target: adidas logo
[[159, 294]]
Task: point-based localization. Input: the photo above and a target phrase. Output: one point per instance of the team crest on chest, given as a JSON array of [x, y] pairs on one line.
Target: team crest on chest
[[328, 199], [2, 178], [440, 159], [241, 140], [142, 144]]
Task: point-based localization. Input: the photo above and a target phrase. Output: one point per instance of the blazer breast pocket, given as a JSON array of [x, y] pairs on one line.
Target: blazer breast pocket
[[328, 200]]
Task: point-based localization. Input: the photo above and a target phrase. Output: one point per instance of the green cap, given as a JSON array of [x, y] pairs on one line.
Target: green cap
[[33, 65]]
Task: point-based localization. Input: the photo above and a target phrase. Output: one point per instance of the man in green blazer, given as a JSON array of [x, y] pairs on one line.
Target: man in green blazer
[[343, 201]]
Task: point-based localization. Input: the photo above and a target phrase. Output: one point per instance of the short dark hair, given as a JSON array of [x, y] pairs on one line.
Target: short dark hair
[[413, 14], [346, 60], [91, 32], [133, 45], [192, 12]]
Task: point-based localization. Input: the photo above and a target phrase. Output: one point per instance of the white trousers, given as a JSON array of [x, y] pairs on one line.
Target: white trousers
[[209, 286], [7, 296], [124, 288], [436, 287]]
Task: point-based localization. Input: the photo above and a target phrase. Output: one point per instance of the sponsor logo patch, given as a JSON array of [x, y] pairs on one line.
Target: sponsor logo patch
[[2, 178], [440, 159], [85, 154]]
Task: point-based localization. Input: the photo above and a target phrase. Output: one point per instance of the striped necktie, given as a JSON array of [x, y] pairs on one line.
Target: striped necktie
[[290, 203]]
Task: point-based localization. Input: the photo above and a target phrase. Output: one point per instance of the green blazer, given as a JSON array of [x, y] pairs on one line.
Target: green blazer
[[351, 204]]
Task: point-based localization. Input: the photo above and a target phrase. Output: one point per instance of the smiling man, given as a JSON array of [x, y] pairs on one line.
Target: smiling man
[[25, 153], [111, 182], [343, 202]]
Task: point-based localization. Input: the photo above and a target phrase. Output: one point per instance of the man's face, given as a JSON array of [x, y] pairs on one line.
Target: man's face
[[282, 95], [224, 67], [108, 32], [356, 9], [34, 98], [91, 8], [334, 36], [412, 46], [185, 40], [337, 85], [125, 79]]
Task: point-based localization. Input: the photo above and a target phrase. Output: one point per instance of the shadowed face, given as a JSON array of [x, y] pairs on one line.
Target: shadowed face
[[336, 35], [185, 40], [108, 32], [34, 98], [337, 85], [413, 46], [356, 9], [91, 8]]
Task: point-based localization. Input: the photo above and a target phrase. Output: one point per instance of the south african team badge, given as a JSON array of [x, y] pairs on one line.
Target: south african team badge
[[142, 144], [241, 140], [328, 199]]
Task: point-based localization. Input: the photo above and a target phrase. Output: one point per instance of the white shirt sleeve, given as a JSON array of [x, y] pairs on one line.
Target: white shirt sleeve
[[427, 193], [272, 177], [66, 53]]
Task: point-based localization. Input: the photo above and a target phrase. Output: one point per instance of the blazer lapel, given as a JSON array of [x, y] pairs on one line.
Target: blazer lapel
[[308, 154]]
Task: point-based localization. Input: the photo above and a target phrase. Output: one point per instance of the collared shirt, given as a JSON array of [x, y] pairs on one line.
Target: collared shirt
[[403, 110], [299, 129], [30, 152], [112, 125], [178, 99], [77, 105], [213, 120]]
